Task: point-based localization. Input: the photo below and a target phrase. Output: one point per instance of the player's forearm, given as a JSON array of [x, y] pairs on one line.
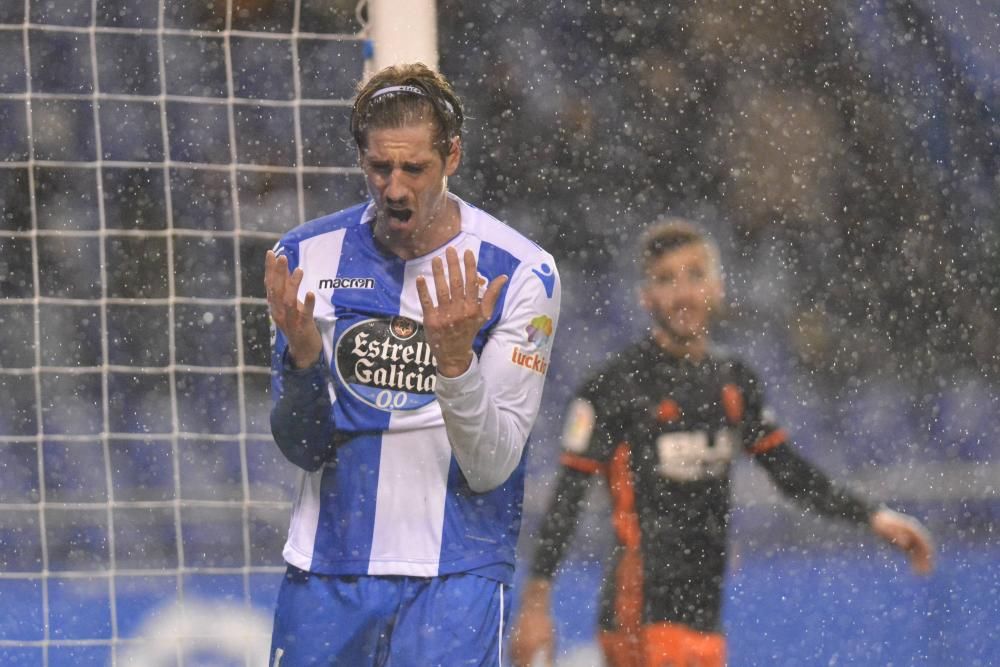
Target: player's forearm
[[300, 418], [559, 522], [486, 440], [805, 483]]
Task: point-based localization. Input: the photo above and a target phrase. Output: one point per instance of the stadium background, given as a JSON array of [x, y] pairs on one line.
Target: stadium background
[[844, 155]]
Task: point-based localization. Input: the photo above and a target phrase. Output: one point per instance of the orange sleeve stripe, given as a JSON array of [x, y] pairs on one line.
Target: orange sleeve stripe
[[623, 516], [629, 595], [732, 403], [769, 441], [581, 464]]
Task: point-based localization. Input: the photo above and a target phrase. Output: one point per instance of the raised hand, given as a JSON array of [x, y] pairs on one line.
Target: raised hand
[[908, 535], [293, 317], [452, 323]]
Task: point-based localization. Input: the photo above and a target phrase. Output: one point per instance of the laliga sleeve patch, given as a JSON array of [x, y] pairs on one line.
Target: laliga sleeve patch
[[579, 426]]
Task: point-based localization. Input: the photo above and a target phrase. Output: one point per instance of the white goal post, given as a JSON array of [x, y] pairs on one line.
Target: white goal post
[[402, 32]]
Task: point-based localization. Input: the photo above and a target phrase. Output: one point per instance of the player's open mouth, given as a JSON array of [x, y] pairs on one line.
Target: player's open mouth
[[401, 214]]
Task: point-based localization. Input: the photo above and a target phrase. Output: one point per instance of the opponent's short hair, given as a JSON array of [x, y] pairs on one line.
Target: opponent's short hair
[[670, 233], [401, 95]]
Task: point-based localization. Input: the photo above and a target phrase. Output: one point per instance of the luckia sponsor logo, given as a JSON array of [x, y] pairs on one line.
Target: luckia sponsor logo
[[539, 332], [387, 364]]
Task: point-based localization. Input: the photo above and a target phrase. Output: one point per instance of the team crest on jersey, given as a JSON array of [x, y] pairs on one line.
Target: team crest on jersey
[[403, 328], [387, 364]]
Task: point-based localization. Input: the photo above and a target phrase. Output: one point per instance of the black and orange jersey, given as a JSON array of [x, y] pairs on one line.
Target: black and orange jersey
[[664, 431]]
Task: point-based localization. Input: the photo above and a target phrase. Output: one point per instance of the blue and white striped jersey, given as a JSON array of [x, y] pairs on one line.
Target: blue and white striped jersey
[[392, 498]]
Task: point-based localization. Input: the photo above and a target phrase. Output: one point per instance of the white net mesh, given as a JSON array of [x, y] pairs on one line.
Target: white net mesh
[[150, 151]]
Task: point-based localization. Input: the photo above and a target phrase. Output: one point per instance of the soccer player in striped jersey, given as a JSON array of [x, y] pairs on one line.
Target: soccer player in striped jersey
[[412, 338], [662, 421]]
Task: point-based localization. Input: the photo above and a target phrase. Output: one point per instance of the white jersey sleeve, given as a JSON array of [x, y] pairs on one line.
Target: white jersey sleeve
[[489, 410]]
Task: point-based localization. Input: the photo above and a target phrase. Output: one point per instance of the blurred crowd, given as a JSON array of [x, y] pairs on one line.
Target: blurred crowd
[[844, 155]]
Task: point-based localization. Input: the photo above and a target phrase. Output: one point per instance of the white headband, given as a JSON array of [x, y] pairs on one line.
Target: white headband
[[409, 89]]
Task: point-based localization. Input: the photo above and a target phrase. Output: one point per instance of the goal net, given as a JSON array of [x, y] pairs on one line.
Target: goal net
[[150, 152]]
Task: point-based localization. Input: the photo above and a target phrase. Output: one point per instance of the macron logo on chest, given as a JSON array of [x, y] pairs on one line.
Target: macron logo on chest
[[346, 283]]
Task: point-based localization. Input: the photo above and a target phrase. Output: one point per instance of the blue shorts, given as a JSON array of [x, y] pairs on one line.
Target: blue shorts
[[387, 621]]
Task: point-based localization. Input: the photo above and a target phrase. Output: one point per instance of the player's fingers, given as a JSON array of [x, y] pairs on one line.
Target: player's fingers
[[908, 535], [308, 306], [278, 279], [290, 292], [492, 295], [295, 279], [455, 282], [921, 552], [440, 282], [270, 262], [922, 563], [471, 277], [917, 543], [424, 295]]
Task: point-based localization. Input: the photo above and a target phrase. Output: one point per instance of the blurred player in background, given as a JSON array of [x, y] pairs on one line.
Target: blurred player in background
[[411, 345], [663, 421]]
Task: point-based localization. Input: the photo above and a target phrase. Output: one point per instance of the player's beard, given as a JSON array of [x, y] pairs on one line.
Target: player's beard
[[413, 216], [681, 336], [398, 222], [413, 224]]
